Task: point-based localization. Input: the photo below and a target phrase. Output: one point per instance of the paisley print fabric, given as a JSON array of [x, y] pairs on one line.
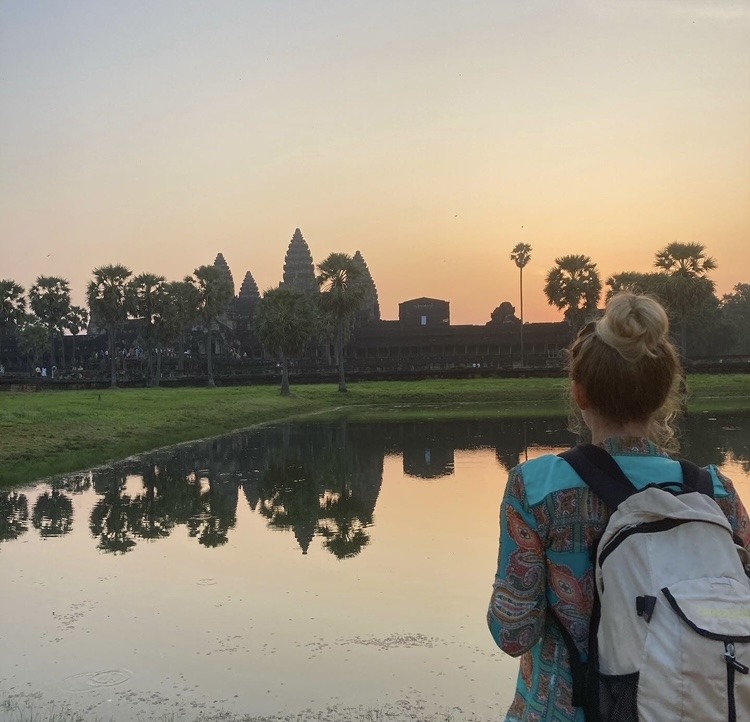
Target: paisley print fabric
[[544, 563]]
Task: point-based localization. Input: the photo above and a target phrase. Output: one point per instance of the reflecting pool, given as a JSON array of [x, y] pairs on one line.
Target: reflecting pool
[[322, 571]]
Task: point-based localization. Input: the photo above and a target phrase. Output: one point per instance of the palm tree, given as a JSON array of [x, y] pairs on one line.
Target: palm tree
[[341, 524], [284, 322], [735, 307], [573, 284], [14, 515], [12, 303], [521, 255], [339, 278], [32, 338], [214, 295], [108, 302], [50, 301], [685, 259], [635, 282], [76, 321], [181, 311], [147, 302], [115, 519], [686, 285], [52, 514], [12, 306]]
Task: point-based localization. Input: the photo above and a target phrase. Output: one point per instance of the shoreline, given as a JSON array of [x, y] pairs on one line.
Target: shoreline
[[48, 433]]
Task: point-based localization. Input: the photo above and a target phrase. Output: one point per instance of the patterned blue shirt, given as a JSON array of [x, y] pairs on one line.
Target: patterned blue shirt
[[549, 523]]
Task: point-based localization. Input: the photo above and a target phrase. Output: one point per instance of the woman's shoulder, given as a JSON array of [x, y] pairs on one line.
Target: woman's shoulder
[[723, 486], [544, 475]]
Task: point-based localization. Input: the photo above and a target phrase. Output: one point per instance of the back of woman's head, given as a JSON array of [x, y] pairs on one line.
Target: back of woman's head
[[627, 365]]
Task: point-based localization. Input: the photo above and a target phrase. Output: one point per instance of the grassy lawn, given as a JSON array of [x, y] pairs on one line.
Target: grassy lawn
[[50, 432]]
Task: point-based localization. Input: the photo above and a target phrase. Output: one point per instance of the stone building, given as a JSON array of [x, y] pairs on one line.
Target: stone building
[[299, 270], [221, 264], [246, 306], [370, 305], [421, 339], [424, 312]]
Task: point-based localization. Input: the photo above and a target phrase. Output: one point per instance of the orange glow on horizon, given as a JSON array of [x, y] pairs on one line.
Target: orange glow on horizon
[[432, 139]]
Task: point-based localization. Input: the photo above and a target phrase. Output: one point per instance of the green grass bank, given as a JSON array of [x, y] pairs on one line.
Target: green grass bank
[[43, 433]]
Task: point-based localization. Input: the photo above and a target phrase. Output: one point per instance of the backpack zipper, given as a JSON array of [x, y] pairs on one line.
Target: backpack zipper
[[732, 666], [647, 527]]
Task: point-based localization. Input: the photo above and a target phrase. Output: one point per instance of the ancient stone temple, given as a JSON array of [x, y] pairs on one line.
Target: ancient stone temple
[[249, 296], [246, 305], [299, 271], [221, 263], [370, 306]]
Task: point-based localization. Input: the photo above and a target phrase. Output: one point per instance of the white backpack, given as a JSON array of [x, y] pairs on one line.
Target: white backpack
[[670, 632]]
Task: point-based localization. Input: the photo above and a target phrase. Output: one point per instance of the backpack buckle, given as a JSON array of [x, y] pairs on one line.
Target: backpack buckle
[[731, 660], [644, 607]]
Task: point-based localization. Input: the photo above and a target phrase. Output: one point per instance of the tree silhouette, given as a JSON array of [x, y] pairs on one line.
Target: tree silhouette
[[49, 298], [108, 302], [32, 338], [635, 282], [573, 284], [290, 496], [181, 311], [214, 294], [341, 524], [504, 313], [76, 321], [147, 304], [218, 512], [735, 308], [521, 255], [52, 514], [12, 304], [14, 515], [686, 285], [284, 321], [12, 308], [685, 259], [342, 291], [115, 519], [156, 518]]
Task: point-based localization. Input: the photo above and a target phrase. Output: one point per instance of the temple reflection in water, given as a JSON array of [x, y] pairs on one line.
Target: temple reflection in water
[[317, 479]]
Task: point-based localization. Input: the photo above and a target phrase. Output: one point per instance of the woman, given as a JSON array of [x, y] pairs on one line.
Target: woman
[[625, 378]]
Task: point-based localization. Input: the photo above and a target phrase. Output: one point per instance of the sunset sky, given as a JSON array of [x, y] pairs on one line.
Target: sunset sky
[[431, 135]]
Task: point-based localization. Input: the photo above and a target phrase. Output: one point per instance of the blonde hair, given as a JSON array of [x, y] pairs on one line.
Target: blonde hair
[[629, 368]]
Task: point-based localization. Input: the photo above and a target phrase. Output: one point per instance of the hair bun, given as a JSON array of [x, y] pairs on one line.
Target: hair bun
[[635, 326]]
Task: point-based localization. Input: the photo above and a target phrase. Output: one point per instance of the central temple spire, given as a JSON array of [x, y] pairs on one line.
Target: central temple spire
[[299, 271], [221, 263]]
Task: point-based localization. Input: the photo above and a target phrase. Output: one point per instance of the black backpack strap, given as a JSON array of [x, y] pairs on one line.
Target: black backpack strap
[[694, 478], [601, 473], [608, 481]]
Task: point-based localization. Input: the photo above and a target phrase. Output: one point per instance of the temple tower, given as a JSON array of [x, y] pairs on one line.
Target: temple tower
[[299, 271], [221, 263], [249, 296], [370, 306]]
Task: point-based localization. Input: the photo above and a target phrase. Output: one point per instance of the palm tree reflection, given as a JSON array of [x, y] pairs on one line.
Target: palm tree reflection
[[52, 514], [317, 480], [116, 517], [14, 515]]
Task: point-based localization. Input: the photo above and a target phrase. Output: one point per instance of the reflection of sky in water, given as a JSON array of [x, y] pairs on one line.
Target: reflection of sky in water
[[253, 625]]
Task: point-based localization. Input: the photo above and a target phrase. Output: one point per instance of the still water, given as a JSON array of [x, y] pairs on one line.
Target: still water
[[321, 571]]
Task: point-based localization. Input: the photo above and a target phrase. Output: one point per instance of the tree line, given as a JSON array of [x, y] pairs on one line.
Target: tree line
[[703, 322], [164, 312], [287, 319]]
